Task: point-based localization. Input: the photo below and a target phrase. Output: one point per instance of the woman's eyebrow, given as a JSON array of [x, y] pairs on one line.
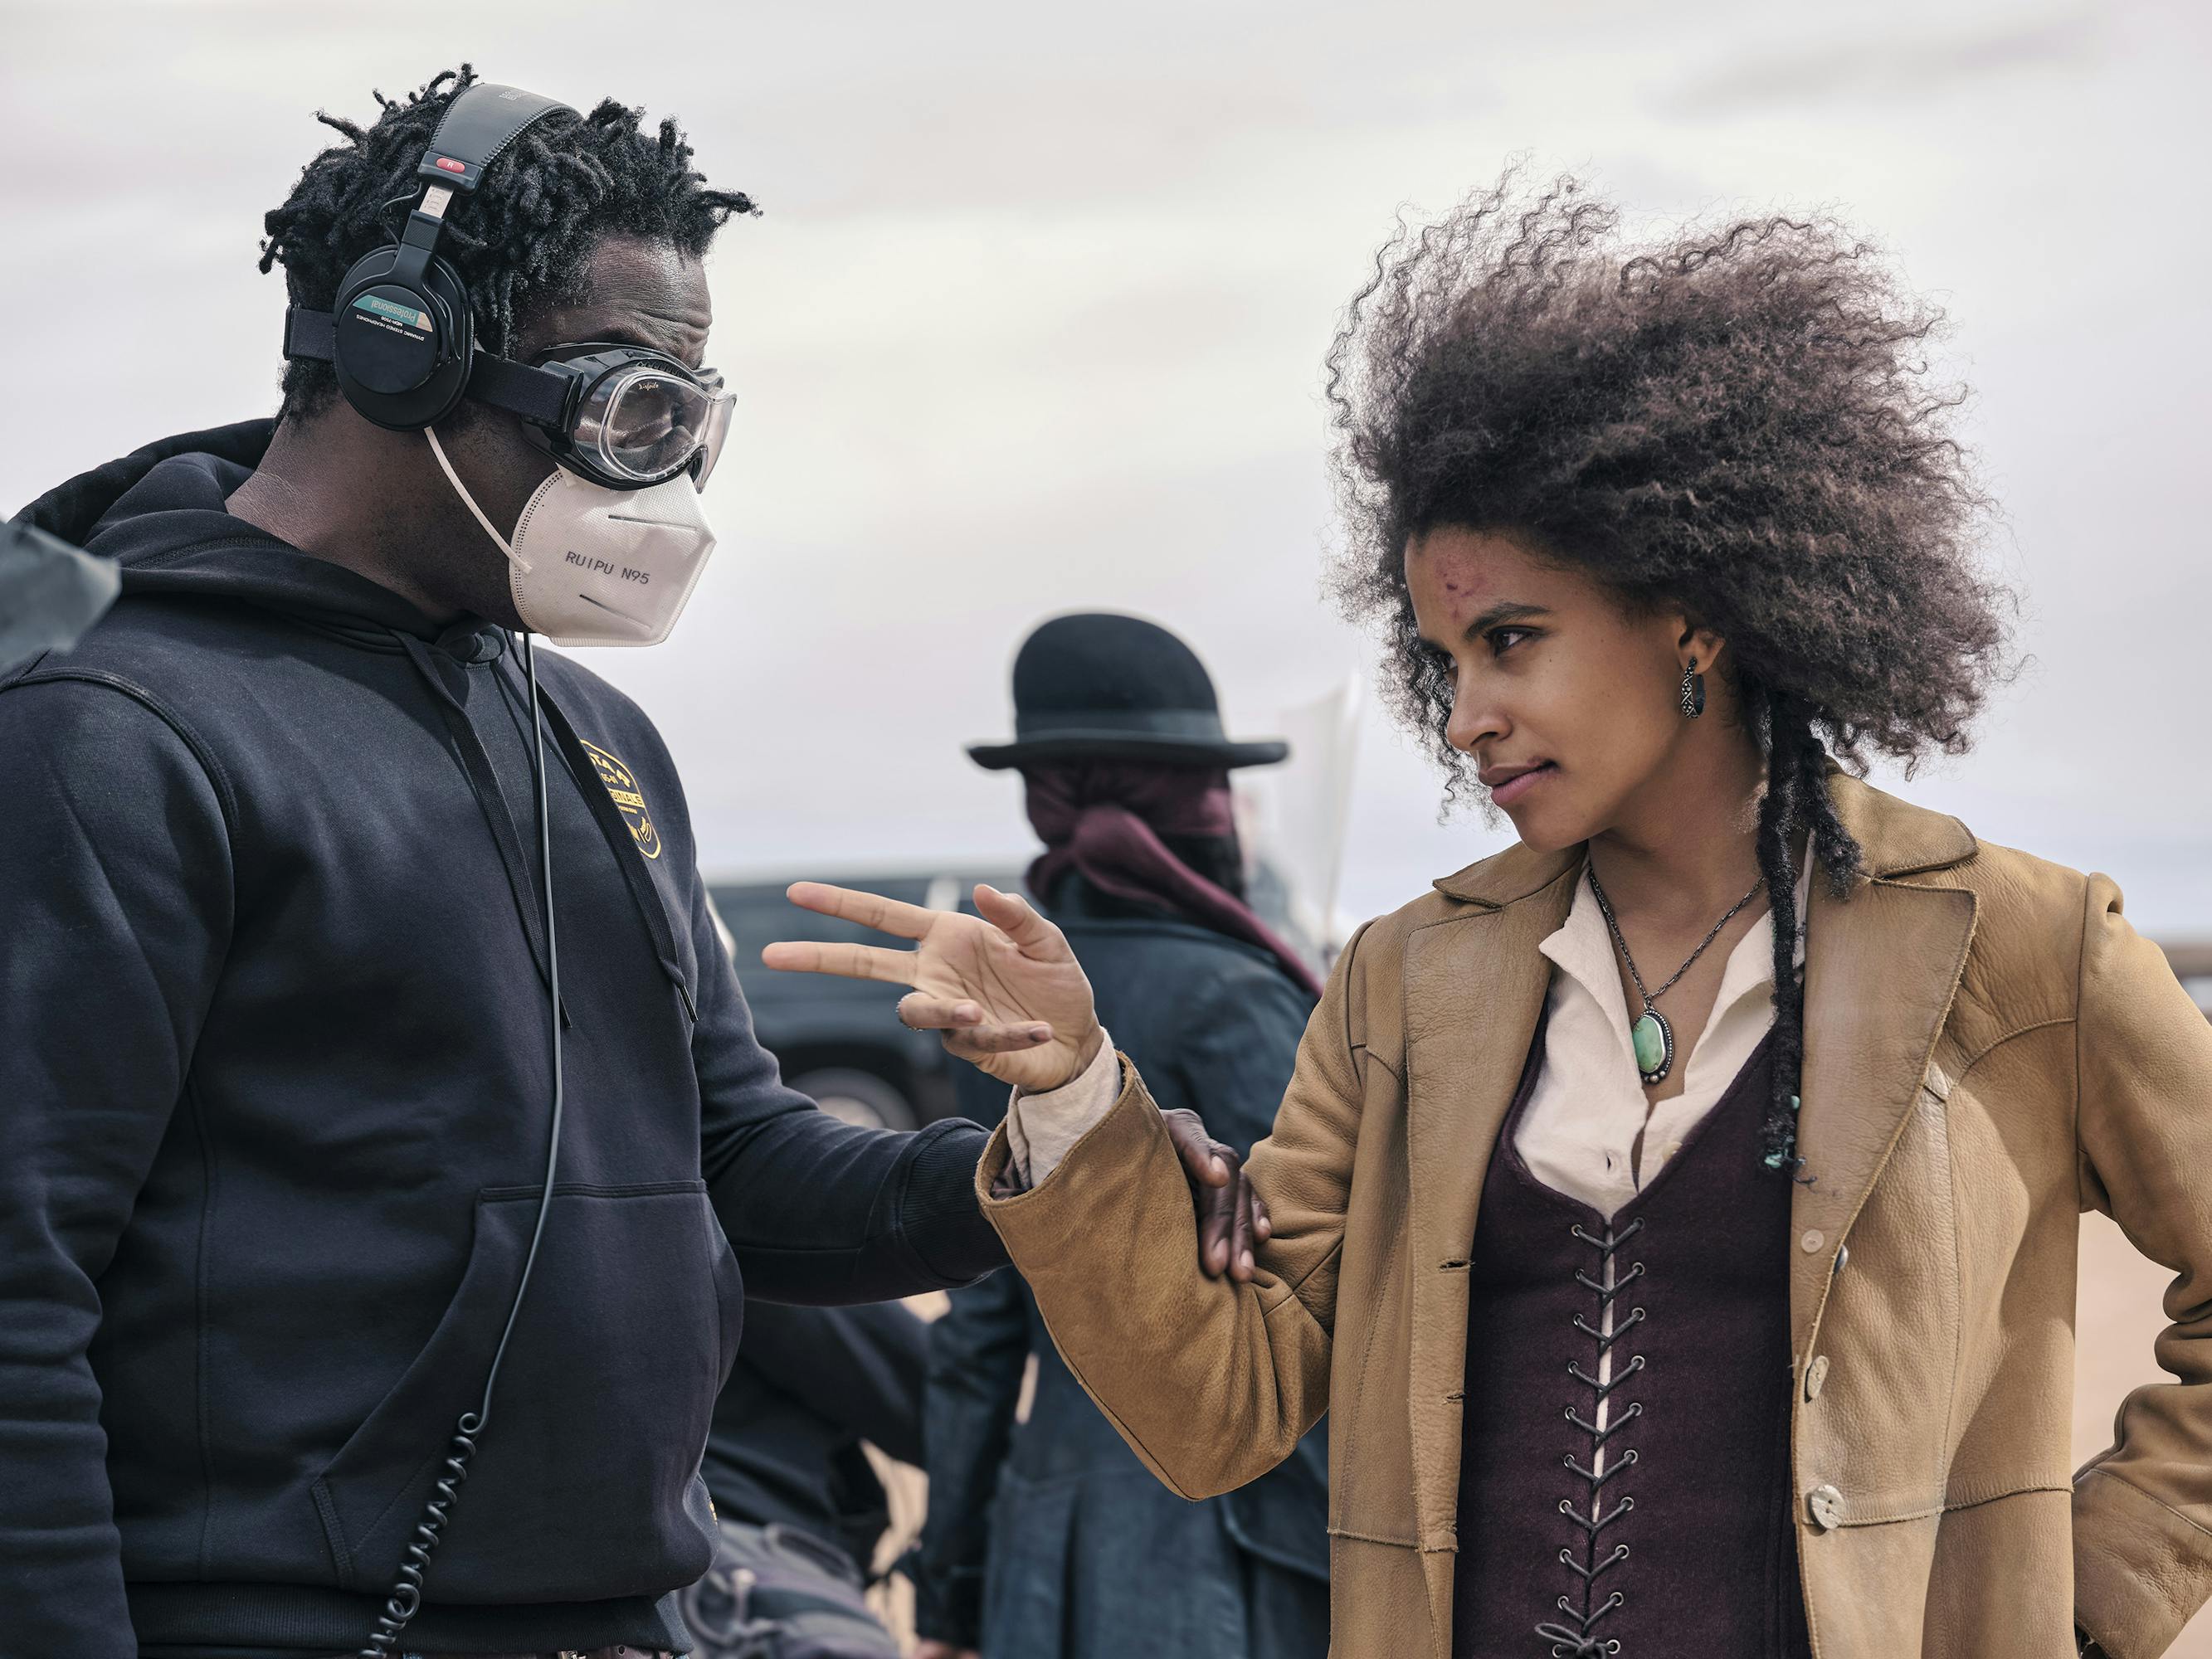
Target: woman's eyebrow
[[1509, 611]]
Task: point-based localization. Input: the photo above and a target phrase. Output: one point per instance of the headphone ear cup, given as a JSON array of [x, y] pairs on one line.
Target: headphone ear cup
[[401, 350]]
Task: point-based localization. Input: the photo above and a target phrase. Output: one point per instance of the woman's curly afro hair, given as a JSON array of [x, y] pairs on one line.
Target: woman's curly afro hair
[[521, 242], [1739, 420]]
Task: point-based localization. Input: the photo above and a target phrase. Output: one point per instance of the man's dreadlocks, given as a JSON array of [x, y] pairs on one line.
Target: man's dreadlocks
[[521, 241]]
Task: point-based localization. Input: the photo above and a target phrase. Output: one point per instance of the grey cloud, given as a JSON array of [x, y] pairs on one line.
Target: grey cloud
[[1887, 69]]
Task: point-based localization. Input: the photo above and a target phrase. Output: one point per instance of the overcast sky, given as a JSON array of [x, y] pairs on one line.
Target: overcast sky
[[1035, 317]]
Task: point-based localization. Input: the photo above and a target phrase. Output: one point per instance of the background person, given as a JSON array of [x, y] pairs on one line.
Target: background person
[[1665, 1300], [1048, 1538], [800, 1509]]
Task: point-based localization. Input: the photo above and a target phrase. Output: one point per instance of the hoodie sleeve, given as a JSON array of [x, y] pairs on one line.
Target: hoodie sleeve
[[817, 1210], [115, 883]]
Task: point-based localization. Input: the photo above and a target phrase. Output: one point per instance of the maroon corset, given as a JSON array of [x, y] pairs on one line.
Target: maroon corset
[[1624, 1487]]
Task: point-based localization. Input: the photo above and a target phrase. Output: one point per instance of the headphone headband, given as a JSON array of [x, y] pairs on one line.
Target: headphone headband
[[478, 127], [475, 131]]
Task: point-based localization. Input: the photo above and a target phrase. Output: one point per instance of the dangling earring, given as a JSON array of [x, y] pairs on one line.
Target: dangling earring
[[1693, 691]]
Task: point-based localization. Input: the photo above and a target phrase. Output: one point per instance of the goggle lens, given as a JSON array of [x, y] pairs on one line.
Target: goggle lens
[[646, 423], [642, 419]]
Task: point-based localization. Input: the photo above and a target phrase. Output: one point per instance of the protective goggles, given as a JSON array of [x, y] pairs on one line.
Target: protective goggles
[[622, 415]]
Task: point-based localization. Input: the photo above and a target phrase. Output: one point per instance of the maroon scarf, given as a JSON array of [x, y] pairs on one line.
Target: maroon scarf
[[1105, 818]]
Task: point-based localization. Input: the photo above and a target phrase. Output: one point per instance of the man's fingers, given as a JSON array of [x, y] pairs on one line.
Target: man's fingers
[[1201, 1153], [1216, 1204], [1015, 917], [1230, 1212], [1263, 1226], [1216, 1209], [973, 1041], [847, 961], [920, 1012], [1242, 1243], [885, 916]]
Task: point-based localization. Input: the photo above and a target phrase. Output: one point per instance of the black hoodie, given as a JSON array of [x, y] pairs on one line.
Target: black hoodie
[[275, 1088]]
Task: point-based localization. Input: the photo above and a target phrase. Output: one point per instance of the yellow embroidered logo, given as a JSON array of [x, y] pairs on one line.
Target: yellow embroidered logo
[[623, 787]]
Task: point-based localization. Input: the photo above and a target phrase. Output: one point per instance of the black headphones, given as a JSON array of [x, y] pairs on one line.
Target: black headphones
[[401, 335]]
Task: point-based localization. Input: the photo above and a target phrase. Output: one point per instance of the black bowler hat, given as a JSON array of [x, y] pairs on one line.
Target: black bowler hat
[[1097, 686]]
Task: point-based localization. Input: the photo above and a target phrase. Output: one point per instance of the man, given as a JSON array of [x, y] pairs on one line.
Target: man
[[385, 1148], [1048, 1538]]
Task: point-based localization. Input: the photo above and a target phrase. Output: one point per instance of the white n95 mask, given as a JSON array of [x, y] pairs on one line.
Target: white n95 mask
[[593, 566]]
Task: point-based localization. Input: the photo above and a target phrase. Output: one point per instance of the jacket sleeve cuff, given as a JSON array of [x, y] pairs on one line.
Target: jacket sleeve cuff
[[2140, 1570], [938, 1216], [1106, 1150]]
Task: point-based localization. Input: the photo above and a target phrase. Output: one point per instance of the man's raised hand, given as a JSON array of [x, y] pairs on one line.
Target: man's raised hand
[[1002, 988]]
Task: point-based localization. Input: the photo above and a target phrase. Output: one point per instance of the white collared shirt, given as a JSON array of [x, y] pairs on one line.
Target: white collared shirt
[[1579, 1135]]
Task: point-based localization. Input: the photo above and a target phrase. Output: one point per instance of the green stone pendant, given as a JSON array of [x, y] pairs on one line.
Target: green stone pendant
[[1654, 1041]]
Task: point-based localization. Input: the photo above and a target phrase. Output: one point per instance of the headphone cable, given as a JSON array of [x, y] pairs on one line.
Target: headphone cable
[[405, 1599]]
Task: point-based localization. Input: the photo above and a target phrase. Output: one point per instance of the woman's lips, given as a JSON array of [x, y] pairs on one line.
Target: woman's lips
[[1521, 783]]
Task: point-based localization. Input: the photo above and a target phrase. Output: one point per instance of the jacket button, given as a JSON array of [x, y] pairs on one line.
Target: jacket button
[[1815, 1374], [1842, 1258], [1827, 1504], [1812, 1242]]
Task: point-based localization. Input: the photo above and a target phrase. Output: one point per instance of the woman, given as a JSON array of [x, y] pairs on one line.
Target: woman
[[1667, 1299], [1047, 1538]]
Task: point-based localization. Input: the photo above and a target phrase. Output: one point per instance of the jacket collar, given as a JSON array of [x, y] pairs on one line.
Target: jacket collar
[[1898, 839]]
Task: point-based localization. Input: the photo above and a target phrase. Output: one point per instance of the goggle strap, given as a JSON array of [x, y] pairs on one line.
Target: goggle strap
[[310, 335], [539, 396]]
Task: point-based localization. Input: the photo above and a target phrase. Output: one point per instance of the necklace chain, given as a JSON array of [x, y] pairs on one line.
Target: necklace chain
[[1605, 909]]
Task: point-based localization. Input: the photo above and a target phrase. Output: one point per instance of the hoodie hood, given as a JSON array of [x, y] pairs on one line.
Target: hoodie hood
[[158, 512]]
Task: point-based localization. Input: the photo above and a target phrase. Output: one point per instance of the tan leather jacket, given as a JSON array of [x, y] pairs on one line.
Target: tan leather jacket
[[1989, 1050]]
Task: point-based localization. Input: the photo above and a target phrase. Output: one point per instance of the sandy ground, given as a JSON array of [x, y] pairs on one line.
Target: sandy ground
[[2117, 1317]]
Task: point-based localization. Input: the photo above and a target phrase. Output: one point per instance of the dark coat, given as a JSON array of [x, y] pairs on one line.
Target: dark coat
[[274, 1102], [1048, 1538]]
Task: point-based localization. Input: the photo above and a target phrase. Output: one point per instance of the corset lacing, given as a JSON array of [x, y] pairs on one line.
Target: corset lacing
[[1575, 1639]]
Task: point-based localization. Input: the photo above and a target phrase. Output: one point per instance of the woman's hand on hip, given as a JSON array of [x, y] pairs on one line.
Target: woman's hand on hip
[[1001, 988]]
